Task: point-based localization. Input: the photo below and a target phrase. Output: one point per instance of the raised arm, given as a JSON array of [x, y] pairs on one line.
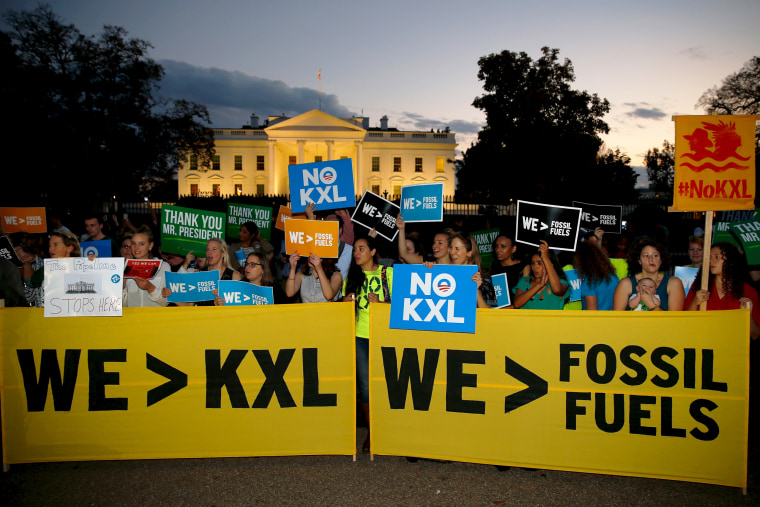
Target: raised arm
[[402, 253], [554, 280]]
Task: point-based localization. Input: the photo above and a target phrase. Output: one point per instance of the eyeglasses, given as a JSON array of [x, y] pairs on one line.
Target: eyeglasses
[[246, 264]]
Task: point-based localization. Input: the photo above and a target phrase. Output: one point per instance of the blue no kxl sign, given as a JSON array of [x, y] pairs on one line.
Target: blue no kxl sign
[[443, 298], [329, 185]]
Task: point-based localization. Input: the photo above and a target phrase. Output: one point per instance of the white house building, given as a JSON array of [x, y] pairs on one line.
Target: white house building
[[254, 159]]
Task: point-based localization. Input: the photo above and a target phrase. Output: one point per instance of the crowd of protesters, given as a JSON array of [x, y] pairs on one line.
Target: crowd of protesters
[[628, 271]]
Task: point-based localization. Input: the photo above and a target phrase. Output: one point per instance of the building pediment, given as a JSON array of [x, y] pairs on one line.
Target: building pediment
[[313, 124]]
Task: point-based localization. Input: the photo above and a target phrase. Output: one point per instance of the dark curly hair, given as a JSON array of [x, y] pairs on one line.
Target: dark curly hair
[[355, 276], [734, 270], [634, 254], [593, 264]]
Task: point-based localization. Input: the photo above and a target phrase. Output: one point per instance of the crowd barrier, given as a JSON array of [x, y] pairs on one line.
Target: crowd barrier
[[662, 395]]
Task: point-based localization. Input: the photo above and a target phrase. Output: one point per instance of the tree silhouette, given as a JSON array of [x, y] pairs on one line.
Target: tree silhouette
[[660, 165], [88, 121], [541, 137]]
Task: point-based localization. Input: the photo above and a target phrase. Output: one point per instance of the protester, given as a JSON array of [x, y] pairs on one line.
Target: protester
[[250, 242], [140, 292], [696, 250], [30, 251], [12, 292], [62, 244], [546, 289], [441, 245], [366, 282], [464, 251], [256, 271], [318, 280], [649, 259], [217, 259], [506, 260], [597, 274], [126, 248], [728, 285]]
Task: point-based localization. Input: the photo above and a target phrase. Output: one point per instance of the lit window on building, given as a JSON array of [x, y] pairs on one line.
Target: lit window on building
[[238, 162], [216, 189], [396, 190], [193, 162], [260, 189], [318, 158], [238, 189], [194, 189], [396, 164], [259, 162], [376, 189], [375, 164], [217, 165], [292, 160], [418, 164], [439, 162]]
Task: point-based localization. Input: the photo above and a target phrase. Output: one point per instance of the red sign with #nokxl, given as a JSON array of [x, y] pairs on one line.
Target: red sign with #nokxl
[[714, 163]]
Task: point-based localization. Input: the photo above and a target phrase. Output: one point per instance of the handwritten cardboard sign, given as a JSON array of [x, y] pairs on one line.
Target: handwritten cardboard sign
[[422, 203], [191, 287], [237, 293], [374, 212], [79, 287], [185, 229], [557, 225], [312, 237], [30, 220], [329, 185]]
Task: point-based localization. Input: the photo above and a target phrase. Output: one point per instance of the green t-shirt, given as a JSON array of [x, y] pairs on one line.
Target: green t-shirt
[[373, 283]]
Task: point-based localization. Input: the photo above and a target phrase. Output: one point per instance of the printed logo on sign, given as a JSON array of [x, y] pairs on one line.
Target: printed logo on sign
[[115, 278]]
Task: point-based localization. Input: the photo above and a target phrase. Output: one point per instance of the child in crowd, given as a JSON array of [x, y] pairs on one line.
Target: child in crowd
[[634, 302]]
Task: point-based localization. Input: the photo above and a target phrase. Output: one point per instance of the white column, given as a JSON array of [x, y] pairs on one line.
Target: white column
[[301, 143], [271, 190], [359, 181], [330, 145]]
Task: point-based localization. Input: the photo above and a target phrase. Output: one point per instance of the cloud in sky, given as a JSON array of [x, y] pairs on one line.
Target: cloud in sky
[[696, 53], [231, 97], [644, 111]]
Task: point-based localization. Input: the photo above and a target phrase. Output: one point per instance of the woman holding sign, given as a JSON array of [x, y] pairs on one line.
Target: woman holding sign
[[546, 288], [367, 282], [217, 259], [257, 272], [441, 245], [62, 244], [654, 262], [140, 292], [728, 287], [464, 250], [506, 259], [318, 280]]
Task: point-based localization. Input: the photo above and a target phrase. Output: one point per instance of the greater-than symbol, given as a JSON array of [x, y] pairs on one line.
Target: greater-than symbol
[[177, 379], [537, 387]]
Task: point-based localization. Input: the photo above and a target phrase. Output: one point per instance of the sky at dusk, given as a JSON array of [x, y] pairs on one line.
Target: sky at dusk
[[417, 61]]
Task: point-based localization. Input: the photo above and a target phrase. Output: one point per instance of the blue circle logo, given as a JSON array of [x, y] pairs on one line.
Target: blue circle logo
[[115, 278]]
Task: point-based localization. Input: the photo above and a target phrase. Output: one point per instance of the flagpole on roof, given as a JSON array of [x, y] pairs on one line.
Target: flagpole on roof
[[319, 77]]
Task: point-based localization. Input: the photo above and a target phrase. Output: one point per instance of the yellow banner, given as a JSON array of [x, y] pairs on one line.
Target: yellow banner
[[178, 382], [714, 163], [662, 395]]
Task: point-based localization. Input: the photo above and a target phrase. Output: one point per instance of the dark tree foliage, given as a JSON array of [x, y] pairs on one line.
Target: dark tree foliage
[[660, 167], [87, 122], [541, 137], [614, 167]]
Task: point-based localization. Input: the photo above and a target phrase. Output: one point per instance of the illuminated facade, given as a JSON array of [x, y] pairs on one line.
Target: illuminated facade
[[254, 160]]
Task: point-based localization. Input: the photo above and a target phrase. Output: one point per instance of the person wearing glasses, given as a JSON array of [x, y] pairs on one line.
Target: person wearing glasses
[[728, 287], [256, 271]]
